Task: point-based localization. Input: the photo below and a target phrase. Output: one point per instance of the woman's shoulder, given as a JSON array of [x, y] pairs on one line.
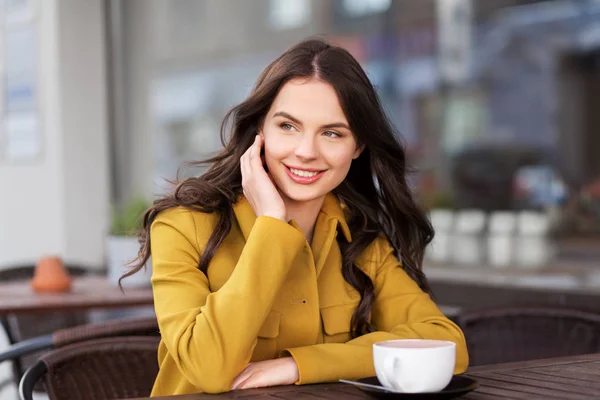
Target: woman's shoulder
[[187, 220], [370, 257], [378, 249]]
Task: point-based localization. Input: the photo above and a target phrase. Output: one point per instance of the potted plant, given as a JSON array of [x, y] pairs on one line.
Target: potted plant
[[440, 206], [122, 244]]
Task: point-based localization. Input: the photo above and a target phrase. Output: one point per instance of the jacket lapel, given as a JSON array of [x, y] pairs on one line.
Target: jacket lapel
[[329, 219], [245, 216]]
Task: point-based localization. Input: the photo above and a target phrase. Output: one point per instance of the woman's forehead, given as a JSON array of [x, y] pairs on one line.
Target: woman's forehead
[[312, 100]]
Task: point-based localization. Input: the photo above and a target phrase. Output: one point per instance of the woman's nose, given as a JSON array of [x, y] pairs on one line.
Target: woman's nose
[[306, 149]]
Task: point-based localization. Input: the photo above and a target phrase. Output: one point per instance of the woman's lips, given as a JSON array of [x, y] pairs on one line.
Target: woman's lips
[[303, 176]]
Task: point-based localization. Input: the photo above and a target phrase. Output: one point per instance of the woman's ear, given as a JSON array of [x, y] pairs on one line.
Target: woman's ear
[[358, 151]]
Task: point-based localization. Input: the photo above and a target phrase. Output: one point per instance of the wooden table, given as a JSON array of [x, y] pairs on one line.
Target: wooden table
[[87, 292], [571, 378]]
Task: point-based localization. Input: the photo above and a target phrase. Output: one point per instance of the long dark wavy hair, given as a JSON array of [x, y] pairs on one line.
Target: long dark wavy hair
[[375, 190]]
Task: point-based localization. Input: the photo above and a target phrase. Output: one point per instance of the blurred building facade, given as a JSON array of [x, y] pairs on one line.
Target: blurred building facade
[[186, 62], [149, 81]]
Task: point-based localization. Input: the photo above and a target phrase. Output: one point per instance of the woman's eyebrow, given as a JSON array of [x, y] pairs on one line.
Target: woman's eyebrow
[[297, 121], [288, 116]]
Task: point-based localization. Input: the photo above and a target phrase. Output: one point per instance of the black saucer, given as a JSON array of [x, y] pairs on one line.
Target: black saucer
[[458, 386]]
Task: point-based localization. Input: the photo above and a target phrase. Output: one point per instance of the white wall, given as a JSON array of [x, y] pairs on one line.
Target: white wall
[[84, 122], [59, 204], [139, 124]]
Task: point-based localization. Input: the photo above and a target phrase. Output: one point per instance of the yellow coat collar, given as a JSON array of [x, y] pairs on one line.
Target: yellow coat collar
[[331, 207]]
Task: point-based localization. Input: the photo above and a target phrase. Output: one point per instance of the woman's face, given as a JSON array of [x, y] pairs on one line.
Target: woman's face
[[308, 142]]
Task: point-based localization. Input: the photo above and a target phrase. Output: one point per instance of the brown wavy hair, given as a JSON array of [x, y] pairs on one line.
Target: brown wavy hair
[[375, 190]]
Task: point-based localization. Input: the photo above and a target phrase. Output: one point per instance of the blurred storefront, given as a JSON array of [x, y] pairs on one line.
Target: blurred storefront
[[509, 127], [516, 130], [184, 63]]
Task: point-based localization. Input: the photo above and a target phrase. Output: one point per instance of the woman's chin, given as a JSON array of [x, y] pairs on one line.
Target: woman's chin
[[302, 195]]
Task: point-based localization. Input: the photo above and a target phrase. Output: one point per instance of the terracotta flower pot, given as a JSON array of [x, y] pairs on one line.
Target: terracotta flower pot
[[50, 276]]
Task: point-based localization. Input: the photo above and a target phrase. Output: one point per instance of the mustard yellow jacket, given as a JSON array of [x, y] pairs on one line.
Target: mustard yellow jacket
[[269, 293]]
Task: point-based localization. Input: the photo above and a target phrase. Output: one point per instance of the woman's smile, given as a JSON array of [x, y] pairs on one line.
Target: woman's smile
[[304, 176]]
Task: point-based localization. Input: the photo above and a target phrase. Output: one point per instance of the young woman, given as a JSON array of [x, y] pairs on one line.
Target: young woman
[[300, 247]]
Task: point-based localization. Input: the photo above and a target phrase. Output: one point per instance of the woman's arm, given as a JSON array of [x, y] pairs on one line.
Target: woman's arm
[[211, 336], [401, 310]]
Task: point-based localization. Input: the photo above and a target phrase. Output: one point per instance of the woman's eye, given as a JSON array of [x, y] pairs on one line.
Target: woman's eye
[[332, 134], [287, 127]]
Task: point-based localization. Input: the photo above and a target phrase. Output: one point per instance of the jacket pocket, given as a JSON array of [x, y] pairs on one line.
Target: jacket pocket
[[336, 322], [266, 344]]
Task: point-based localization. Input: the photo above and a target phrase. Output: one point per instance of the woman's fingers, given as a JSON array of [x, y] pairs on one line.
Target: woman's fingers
[[242, 377], [255, 160], [254, 380], [250, 383], [246, 169], [247, 162], [281, 371], [259, 189]]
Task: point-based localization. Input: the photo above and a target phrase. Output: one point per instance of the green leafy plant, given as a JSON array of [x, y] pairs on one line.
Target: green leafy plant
[[437, 199], [127, 220]]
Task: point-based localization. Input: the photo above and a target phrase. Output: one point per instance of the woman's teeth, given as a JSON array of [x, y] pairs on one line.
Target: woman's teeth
[[300, 172]]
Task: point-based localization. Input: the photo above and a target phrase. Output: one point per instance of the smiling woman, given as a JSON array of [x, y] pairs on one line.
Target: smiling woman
[[300, 247], [305, 156]]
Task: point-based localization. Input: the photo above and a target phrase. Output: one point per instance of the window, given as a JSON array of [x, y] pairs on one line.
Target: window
[[289, 14], [357, 8]]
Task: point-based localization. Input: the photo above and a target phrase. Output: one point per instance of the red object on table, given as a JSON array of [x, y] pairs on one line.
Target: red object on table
[[51, 276]]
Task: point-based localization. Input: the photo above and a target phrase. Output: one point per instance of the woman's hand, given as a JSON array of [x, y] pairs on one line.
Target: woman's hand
[[281, 371], [258, 187]]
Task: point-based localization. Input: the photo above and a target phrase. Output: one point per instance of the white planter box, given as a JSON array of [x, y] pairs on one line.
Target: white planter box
[[120, 250]]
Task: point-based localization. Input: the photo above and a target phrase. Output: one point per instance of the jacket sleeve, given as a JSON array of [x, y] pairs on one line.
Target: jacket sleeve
[[401, 310], [211, 335]]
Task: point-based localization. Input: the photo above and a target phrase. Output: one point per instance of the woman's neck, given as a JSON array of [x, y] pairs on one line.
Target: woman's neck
[[305, 214]]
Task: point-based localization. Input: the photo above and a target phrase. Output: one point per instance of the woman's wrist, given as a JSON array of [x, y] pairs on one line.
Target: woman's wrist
[[277, 216]]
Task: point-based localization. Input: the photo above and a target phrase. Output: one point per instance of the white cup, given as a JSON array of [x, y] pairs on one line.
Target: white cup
[[414, 365]]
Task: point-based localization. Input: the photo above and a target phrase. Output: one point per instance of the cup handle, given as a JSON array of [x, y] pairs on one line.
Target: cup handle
[[391, 365]]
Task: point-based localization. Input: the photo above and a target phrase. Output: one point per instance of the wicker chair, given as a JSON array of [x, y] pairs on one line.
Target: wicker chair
[[65, 337], [21, 327], [100, 369], [528, 333]]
